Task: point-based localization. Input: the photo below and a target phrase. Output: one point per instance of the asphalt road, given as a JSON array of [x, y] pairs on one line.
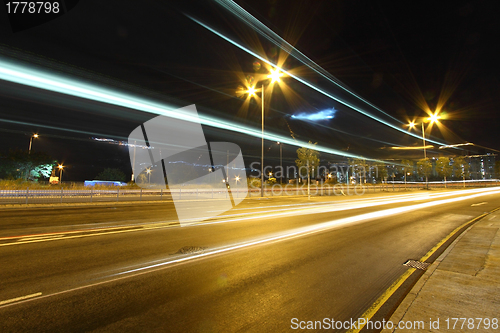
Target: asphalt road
[[119, 269]]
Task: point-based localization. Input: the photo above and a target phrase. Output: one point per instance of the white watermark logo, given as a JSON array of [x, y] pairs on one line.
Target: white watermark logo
[[173, 150]]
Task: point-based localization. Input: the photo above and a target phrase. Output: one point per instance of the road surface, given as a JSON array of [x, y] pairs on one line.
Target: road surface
[[133, 268]]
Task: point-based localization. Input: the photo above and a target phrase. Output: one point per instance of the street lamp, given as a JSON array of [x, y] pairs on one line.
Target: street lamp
[[61, 167], [434, 118], [148, 171], [251, 91], [31, 141]]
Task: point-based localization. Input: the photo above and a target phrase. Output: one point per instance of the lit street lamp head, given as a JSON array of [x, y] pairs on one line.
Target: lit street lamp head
[[35, 136], [275, 75], [434, 118], [60, 166], [251, 91]]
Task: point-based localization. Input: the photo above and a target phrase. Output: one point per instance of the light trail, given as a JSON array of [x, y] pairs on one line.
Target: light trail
[[264, 212], [414, 148], [296, 233], [8, 121], [304, 231], [281, 43], [320, 115], [41, 79], [310, 85], [276, 110]]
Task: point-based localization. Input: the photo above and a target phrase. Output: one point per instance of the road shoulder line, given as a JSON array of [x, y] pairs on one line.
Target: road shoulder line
[[22, 298]]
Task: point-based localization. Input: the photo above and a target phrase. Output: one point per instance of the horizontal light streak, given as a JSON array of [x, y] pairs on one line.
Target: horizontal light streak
[[411, 148], [457, 145], [13, 72]]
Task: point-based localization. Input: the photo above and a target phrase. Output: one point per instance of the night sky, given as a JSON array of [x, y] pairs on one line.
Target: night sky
[[407, 58]]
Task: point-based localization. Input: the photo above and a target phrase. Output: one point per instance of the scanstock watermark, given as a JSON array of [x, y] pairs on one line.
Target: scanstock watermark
[[174, 150], [314, 190]]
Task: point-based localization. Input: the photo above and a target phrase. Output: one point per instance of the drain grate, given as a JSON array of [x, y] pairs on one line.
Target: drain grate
[[416, 264], [190, 250]]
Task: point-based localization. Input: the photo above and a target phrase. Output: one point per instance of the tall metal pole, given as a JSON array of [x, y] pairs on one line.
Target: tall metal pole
[[281, 162], [308, 182], [133, 162], [262, 149], [425, 155], [29, 153], [423, 139]]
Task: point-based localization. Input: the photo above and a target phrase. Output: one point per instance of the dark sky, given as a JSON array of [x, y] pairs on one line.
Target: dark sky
[[404, 57]]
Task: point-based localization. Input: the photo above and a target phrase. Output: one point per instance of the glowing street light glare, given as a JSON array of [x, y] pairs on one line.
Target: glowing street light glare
[[275, 75], [251, 91], [411, 125], [434, 118], [61, 167], [35, 136]]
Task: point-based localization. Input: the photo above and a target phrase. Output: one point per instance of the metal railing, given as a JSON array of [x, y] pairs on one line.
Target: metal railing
[[57, 196]]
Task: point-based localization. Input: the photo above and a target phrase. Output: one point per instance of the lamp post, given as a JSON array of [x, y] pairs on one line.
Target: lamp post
[[281, 160], [61, 167], [275, 77], [148, 171], [434, 118], [31, 142]]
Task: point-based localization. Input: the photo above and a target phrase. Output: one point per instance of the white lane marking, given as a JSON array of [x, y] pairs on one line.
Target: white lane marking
[[479, 204], [22, 298], [83, 236]]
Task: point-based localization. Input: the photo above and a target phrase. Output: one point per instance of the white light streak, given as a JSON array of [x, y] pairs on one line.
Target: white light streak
[[33, 77], [313, 229]]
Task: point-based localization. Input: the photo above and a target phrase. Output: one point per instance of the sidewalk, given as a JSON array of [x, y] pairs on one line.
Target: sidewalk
[[464, 282]]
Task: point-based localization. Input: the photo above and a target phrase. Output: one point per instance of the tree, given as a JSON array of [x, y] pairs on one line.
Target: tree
[[358, 167], [407, 167], [381, 171], [23, 164], [308, 160], [424, 168], [111, 174], [462, 167], [253, 182], [444, 168]]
